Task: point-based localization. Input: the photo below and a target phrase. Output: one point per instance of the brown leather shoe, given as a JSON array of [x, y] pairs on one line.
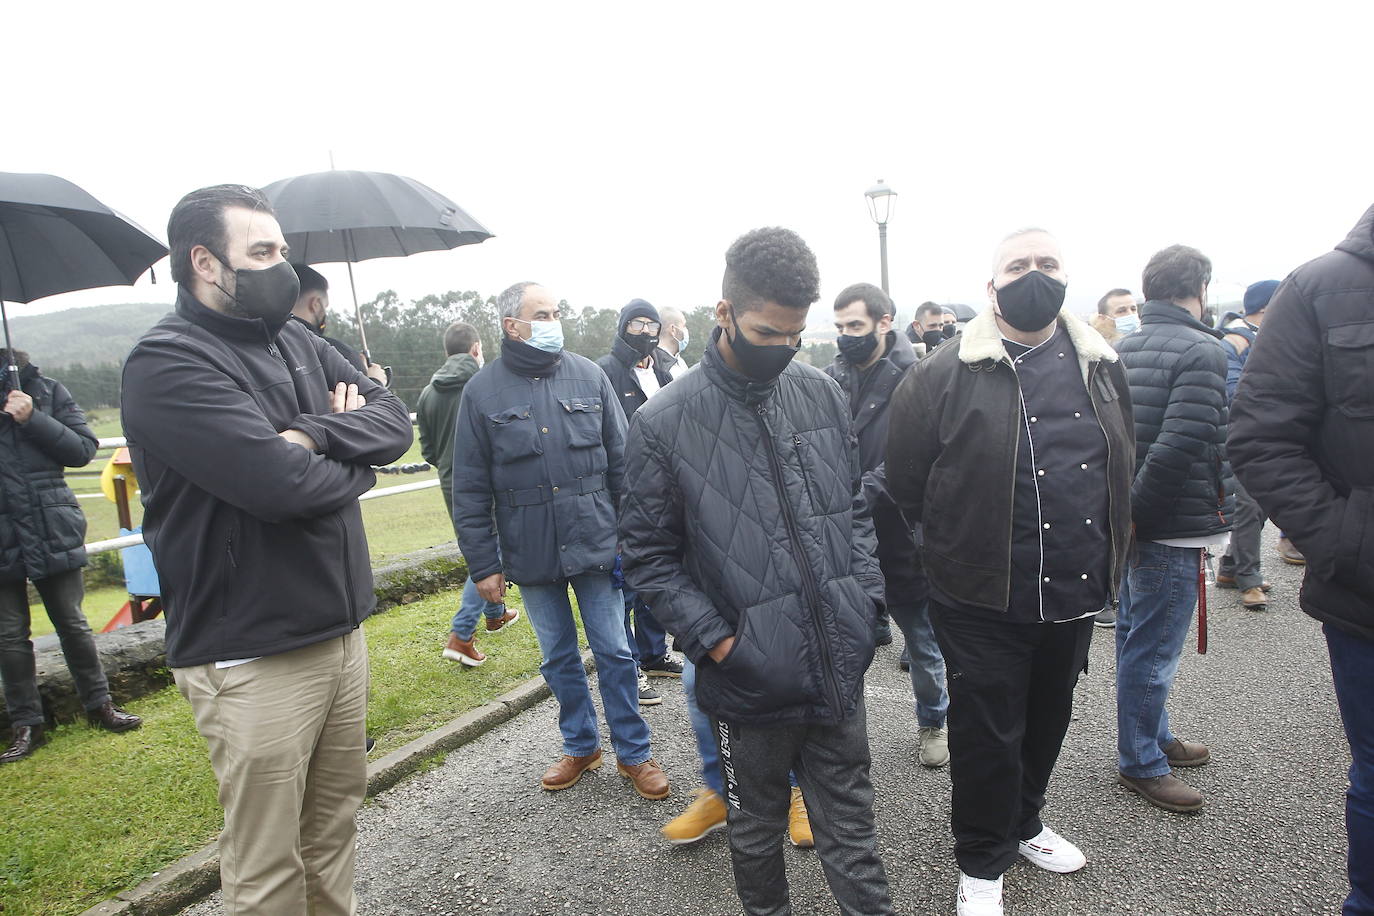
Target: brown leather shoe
[[1290, 554], [463, 651], [568, 770], [496, 625], [648, 777], [27, 739], [1225, 581], [1167, 792], [113, 719], [1186, 753], [1254, 599]]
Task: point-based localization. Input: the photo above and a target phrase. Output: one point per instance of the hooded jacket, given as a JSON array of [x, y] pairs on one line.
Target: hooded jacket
[[620, 362], [1176, 367], [436, 414], [951, 461], [258, 542], [743, 516], [1302, 426], [42, 529]]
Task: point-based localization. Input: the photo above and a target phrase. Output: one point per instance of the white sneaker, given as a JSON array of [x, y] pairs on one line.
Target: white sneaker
[[1052, 852], [978, 897]]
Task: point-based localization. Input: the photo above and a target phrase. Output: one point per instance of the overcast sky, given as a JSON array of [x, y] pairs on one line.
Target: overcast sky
[[616, 150]]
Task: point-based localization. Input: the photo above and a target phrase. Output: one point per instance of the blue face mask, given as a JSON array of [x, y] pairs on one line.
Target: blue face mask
[[1127, 324], [686, 337], [545, 335]]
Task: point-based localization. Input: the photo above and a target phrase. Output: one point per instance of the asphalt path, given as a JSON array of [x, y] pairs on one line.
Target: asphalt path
[[477, 834]]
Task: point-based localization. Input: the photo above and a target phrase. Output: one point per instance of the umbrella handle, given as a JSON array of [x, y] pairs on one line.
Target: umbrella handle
[[11, 365]]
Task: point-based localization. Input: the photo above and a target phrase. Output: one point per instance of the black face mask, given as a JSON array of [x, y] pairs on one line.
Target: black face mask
[[857, 350], [1032, 302], [268, 294], [762, 364], [949, 331], [933, 339], [643, 344]]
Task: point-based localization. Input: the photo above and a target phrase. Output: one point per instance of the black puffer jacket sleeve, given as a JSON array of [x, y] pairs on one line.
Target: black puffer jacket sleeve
[[62, 434]]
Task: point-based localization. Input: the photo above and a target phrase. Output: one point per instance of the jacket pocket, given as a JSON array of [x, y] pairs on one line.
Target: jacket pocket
[[514, 434], [64, 519], [584, 421], [1350, 366], [769, 664]]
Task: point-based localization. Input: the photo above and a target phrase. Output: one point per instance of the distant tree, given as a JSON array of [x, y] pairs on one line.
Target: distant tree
[[91, 386]]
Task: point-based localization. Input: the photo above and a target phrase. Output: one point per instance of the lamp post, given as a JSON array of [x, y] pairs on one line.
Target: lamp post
[[880, 200]]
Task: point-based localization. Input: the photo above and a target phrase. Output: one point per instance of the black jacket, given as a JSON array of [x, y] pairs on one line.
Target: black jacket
[[546, 452], [1302, 426], [742, 516], [619, 368], [951, 460], [1176, 366], [42, 529], [897, 552], [258, 542]]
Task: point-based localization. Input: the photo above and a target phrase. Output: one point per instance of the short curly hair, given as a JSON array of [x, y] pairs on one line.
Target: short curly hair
[[770, 265]]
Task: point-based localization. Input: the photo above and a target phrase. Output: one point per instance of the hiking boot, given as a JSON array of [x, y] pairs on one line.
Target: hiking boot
[[568, 770], [1167, 792], [111, 718], [667, 666], [1290, 554], [27, 739], [1254, 599], [1186, 753], [978, 897], [648, 696], [704, 814], [932, 748], [463, 651], [648, 778], [1105, 618], [1227, 581], [497, 624], [799, 822], [1052, 852]]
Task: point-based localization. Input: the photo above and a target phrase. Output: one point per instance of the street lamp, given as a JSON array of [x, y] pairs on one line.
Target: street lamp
[[880, 201]]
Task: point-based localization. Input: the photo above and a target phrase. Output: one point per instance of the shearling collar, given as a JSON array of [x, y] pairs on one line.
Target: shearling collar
[[982, 340]]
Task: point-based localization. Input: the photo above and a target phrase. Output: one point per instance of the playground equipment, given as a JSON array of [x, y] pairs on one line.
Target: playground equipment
[[140, 577]]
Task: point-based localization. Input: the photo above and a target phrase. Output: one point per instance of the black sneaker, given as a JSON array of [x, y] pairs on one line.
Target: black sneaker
[[1106, 618], [667, 666], [648, 696]]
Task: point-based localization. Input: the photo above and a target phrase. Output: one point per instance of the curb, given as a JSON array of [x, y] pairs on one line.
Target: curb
[[192, 877]]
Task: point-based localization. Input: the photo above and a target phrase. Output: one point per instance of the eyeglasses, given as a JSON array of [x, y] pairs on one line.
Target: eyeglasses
[[642, 326]]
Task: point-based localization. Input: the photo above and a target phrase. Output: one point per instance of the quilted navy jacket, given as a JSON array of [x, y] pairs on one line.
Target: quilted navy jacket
[[742, 516], [1176, 367]]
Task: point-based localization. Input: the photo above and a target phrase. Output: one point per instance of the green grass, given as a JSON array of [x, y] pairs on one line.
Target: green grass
[[92, 814]]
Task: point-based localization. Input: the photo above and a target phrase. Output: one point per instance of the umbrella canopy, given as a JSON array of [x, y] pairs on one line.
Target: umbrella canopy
[[961, 312], [56, 238], [356, 216]]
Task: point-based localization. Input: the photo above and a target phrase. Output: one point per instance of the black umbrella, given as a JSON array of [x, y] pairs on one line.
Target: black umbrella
[[961, 312], [354, 216], [56, 238]]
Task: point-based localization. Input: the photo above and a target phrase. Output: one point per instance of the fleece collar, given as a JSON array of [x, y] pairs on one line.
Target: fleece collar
[[982, 340]]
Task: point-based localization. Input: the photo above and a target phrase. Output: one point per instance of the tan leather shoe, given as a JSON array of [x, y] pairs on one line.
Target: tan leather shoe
[[1186, 753], [1290, 554], [1167, 792], [496, 625], [567, 770], [463, 651], [648, 777], [799, 822], [1254, 599]]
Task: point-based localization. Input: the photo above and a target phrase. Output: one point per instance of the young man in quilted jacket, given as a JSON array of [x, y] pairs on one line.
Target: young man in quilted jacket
[[744, 527]]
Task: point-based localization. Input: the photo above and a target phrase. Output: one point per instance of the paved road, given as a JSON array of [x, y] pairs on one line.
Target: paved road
[[476, 834]]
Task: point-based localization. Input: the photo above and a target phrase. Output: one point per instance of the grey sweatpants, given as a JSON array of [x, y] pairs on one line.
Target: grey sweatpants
[[831, 763], [1242, 557]]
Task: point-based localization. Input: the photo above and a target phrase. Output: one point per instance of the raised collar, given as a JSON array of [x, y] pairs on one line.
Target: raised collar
[[735, 384], [228, 326]]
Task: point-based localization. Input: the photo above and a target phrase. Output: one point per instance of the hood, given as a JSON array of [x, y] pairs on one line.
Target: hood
[[900, 351], [982, 340], [455, 372], [1360, 241]]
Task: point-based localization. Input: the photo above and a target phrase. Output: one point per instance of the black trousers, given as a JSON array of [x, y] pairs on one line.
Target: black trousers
[[1010, 702], [831, 763]]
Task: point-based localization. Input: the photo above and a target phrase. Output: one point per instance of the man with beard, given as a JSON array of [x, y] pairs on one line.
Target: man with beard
[[1013, 447], [252, 439], [312, 310], [745, 528]]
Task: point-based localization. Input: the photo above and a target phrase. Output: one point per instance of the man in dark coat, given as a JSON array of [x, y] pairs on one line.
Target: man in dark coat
[[744, 526], [252, 439], [42, 531], [872, 360], [1302, 433], [1182, 501], [312, 310], [1012, 446], [436, 415], [637, 373], [538, 463]]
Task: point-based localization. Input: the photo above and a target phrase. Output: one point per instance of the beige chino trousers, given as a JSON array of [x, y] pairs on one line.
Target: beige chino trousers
[[287, 742]]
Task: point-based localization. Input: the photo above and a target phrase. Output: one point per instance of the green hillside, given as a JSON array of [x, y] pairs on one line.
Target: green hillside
[[91, 336]]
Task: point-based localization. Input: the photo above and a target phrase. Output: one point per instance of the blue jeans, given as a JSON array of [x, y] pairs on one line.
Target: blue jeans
[[1352, 669], [648, 640], [602, 611], [927, 664], [470, 606], [1158, 595], [701, 727]]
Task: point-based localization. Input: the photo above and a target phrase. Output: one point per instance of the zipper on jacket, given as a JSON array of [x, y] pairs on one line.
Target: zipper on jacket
[[1114, 588], [348, 574], [809, 587]]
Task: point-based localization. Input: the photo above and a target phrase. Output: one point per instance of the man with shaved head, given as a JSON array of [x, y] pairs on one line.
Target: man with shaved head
[[672, 342], [1013, 447]]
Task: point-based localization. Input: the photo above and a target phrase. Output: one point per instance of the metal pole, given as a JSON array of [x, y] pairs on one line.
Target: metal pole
[[882, 248], [357, 310]]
